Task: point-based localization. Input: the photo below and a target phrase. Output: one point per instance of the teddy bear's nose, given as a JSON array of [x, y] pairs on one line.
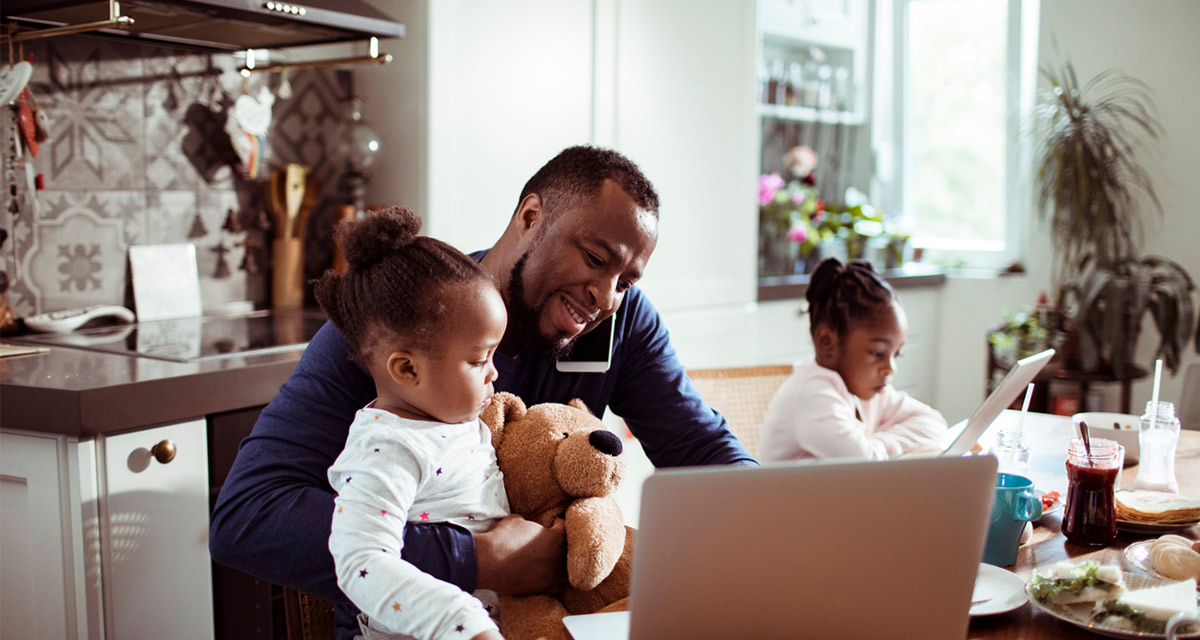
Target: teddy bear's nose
[[605, 442]]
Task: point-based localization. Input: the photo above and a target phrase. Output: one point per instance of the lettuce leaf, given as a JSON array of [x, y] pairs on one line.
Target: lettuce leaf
[[1045, 589]]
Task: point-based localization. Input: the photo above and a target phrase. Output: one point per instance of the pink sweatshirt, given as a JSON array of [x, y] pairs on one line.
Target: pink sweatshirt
[[813, 415]]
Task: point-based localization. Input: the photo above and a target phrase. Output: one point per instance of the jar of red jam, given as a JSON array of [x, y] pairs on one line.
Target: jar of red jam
[[1090, 516]]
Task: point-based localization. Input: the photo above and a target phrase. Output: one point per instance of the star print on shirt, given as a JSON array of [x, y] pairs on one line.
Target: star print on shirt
[[376, 449], [459, 628], [425, 515], [348, 479], [362, 573], [395, 606], [439, 471]]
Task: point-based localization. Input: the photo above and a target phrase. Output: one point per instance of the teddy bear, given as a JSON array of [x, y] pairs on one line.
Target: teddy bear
[[559, 461]]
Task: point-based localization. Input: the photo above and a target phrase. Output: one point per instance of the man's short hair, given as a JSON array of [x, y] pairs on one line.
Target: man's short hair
[[579, 172]]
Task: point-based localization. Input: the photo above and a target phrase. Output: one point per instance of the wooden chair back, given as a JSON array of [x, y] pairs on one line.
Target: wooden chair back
[[307, 616], [741, 394]]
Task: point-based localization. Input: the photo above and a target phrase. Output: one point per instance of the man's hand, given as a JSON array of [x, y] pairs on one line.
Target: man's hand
[[517, 557]]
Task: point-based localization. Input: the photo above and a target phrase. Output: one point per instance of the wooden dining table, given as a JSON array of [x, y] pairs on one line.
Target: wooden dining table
[[1047, 437]]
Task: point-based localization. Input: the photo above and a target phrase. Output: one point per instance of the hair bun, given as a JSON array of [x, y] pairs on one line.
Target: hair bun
[[367, 240], [823, 280]]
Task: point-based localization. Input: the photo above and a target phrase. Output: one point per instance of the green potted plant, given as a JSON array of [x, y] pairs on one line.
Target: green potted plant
[[1090, 187]]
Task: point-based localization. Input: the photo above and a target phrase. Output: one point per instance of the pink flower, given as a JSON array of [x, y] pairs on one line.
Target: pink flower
[[799, 196], [800, 161], [768, 186], [798, 233]]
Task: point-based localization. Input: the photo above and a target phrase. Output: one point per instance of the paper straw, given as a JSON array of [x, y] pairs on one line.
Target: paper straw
[[1025, 407], [1154, 393]]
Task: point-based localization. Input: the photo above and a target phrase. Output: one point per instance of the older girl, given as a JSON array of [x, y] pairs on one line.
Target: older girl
[[840, 403]]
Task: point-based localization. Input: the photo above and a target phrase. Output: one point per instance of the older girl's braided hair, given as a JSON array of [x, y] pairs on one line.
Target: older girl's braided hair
[[391, 289], [844, 295]]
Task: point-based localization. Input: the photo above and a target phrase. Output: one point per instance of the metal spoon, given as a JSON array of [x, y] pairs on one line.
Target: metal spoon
[[1087, 442]]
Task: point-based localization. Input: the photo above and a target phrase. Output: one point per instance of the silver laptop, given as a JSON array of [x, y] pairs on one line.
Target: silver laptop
[[960, 440], [806, 550]]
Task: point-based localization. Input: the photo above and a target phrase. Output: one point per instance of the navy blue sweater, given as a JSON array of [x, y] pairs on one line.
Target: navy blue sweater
[[272, 517]]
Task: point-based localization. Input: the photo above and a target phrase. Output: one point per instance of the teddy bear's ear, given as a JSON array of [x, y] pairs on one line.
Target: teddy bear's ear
[[579, 404], [504, 408]]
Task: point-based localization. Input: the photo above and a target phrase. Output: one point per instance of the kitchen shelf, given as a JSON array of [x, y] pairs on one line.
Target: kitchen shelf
[[809, 114]]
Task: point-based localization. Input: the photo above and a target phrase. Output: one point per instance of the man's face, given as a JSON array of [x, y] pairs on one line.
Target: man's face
[[577, 268]]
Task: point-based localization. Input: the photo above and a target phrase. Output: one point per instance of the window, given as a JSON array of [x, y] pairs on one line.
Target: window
[[955, 83]]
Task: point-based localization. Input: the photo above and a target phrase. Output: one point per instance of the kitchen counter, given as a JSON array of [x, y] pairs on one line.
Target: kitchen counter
[[80, 393], [912, 274]]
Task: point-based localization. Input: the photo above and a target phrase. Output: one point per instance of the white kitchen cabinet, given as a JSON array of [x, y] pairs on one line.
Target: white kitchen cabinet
[[837, 23], [156, 566], [41, 539], [684, 92], [100, 540]]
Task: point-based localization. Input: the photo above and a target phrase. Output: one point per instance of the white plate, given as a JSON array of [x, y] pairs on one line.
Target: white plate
[[1055, 507], [1000, 590], [1080, 614], [1138, 555], [1149, 527]]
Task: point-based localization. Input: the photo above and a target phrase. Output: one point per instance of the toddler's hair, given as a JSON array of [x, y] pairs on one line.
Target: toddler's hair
[[391, 288], [841, 295], [579, 172]]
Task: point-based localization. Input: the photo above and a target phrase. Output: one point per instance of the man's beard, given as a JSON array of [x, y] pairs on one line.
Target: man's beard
[[526, 318]]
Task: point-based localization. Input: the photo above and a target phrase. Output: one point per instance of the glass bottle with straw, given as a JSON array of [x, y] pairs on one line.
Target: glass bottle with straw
[[1012, 454], [1158, 435]]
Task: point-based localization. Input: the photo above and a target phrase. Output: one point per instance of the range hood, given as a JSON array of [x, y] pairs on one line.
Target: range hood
[[227, 25]]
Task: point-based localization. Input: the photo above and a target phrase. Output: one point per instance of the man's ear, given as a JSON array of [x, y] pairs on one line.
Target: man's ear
[[529, 214], [401, 368]]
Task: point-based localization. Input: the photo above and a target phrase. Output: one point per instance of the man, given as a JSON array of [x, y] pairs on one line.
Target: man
[[580, 237]]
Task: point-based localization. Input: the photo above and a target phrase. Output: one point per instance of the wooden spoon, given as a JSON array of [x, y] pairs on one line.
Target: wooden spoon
[[293, 196], [312, 193]]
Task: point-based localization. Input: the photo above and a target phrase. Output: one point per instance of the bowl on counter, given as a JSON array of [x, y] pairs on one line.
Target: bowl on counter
[[1119, 427]]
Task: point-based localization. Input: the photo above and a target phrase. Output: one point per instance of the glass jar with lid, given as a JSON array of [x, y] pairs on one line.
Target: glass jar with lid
[[1156, 443]]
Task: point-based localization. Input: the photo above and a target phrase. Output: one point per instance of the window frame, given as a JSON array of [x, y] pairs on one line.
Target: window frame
[[891, 116]]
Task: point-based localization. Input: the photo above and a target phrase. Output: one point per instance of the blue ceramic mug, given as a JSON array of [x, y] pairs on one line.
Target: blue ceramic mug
[[1014, 505]]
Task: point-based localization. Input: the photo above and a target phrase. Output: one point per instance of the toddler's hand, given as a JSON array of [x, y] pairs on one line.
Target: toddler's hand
[[488, 635]]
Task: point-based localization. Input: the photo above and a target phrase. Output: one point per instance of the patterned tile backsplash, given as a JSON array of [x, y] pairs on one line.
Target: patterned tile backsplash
[[137, 153]]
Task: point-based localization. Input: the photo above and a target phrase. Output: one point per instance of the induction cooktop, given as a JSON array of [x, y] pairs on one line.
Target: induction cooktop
[[197, 339]]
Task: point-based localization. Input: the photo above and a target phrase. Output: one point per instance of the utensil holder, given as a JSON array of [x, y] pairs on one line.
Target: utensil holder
[[287, 273]]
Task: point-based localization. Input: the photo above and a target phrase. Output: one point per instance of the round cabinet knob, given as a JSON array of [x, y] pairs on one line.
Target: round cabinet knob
[[164, 451]]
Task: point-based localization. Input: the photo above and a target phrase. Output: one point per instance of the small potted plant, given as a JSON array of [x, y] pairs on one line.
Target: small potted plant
[[1091, 188]]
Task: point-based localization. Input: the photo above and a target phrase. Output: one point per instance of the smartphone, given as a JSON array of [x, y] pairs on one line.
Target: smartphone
[[592, 351]]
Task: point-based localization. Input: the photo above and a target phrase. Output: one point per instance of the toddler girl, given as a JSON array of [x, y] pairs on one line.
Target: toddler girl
[[423, 320], [840, 403]]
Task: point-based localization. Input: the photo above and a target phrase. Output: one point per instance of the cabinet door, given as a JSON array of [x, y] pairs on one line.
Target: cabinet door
[[36, 543], [157, 570], [509, 87], [685, 112]]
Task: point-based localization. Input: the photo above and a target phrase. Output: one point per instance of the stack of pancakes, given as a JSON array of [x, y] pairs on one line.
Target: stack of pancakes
[[1155, 507]]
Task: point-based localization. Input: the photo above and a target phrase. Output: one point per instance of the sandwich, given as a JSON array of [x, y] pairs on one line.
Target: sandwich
[[1148, 610], [1066, 583]]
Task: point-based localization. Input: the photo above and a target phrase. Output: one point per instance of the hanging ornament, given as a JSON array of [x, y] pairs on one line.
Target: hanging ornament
[[249, 262], [262, 221], [222, 270], [198, 229], [232, 225]]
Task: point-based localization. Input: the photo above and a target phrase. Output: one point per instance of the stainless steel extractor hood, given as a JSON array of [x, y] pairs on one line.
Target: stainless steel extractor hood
[[228, 25]]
